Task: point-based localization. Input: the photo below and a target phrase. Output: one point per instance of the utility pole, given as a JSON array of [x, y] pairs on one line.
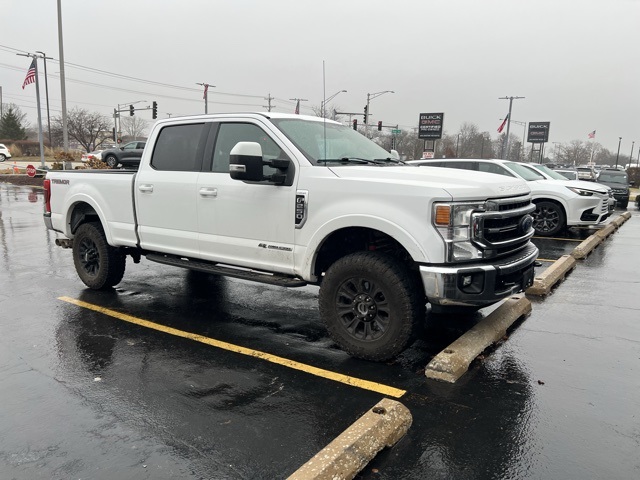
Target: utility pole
[[206, 95], [298, 100], [63, 93], [268, 99], [631, 156], [505, 149], [46, 89], [618, 154]]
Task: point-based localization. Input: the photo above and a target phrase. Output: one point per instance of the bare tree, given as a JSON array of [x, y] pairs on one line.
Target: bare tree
[[89, 129], [134, 127]]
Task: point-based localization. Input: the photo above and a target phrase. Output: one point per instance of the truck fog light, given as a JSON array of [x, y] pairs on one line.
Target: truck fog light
[[466, 280]]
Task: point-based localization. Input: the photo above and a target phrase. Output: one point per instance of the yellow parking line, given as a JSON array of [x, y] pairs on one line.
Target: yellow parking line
[[319, 372], [565, 239]]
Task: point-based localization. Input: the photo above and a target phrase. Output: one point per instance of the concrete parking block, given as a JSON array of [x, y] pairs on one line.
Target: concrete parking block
[[586, 247], [453, 362], [607, 231], [543, 283], [381, 426]]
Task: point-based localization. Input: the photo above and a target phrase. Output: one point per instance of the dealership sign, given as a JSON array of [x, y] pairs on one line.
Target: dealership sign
[[430, 126], [538, 132]]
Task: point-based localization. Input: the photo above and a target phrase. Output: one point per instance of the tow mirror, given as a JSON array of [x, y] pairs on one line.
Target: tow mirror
[[394, 154], [246, 163]]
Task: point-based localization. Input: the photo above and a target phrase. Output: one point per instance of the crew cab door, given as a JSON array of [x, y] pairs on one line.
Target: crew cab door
[[243, 223], [166, 190]]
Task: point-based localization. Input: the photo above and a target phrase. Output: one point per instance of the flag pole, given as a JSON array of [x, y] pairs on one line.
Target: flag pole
[[40, 139]]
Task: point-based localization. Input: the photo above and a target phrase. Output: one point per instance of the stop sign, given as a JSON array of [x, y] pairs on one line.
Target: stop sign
[[31, 170]]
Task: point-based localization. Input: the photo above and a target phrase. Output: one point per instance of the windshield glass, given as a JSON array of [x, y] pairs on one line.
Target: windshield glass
[[319, 141], [612, 177], [529, 174], [550, 172], [570, 174]]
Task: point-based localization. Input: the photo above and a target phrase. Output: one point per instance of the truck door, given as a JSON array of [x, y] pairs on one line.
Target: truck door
[[165, 190], [241, 223]]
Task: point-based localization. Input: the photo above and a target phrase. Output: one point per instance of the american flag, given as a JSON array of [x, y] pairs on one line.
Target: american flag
[[206, 89], [297, 112], [592, 134], [504, 122], [31, 74]]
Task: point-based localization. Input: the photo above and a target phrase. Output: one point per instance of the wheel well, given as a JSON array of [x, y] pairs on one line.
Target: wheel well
[[82, 213], [550, 200], [357, 239]]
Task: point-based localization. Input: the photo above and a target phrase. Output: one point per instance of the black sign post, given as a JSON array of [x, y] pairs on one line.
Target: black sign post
[[538, 132], [430, 126]]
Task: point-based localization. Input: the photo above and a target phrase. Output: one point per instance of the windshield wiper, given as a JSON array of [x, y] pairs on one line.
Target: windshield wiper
[[390, 160], [347, 160]]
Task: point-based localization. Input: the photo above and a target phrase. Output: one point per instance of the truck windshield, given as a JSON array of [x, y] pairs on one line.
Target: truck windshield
[[613, 177], [330, 143]]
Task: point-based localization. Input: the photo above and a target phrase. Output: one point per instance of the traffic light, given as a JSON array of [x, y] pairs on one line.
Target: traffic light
[[113, 133], [131, 110], [365, 114], [355, 124], [380, 125], [154, 110]]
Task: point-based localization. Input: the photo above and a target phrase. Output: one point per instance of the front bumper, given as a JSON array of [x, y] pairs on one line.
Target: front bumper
[[479, 284]]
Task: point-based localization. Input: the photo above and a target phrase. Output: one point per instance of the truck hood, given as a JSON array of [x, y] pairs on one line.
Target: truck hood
[[460, 184]]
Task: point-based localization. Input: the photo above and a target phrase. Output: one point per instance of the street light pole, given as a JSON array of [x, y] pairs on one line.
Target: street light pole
[[631, 156], [46, 89], [323, 105], [505, 149], [63, 91], [618, 154], [371, 96]]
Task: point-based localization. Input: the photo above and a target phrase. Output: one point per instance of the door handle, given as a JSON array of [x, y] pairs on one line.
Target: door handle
[[145, 188], [208, 192]]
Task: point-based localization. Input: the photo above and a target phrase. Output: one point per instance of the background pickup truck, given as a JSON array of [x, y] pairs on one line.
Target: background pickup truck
[[127, 155], [293, 200]]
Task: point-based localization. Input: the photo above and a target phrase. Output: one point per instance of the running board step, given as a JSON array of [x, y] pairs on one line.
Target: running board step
[[208, 267]]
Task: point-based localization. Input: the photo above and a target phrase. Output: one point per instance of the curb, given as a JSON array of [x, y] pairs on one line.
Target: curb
[[543, 284], [586, 247], [381, 426], [453, 362]]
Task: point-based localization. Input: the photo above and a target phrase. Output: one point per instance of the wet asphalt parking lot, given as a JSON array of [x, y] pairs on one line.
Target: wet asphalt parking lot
[[192, 388]]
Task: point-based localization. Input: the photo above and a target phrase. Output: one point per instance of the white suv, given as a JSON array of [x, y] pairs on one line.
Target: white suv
[[559, 203], [4, 152]]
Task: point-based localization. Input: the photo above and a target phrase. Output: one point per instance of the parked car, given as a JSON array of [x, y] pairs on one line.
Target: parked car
[[585, 172], [556, 175], [128, 155], [4, 152], [559, 203], [97, 155], [618, 181]]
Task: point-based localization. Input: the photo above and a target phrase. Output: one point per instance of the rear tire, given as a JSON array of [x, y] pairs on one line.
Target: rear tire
[[371, 305], [2, 157], [99, 265], [548, 219]]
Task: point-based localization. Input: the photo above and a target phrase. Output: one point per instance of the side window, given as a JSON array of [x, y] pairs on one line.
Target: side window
[[176, 148], [460, 165], [231, 133], [493, 168]]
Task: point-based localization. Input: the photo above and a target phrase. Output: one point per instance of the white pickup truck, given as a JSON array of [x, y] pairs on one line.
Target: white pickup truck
[[293, 200]]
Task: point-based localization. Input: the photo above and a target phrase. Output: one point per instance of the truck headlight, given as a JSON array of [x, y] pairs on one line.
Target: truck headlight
[[453, 222]]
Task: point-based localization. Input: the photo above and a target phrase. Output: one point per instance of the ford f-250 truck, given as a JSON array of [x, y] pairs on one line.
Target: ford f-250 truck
[[292, 200]]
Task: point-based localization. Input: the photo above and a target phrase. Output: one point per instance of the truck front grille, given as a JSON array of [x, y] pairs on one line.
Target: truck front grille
[[504, 229]]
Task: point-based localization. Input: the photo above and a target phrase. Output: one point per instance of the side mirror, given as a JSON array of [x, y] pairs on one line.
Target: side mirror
[[395, 155], [246, 163]]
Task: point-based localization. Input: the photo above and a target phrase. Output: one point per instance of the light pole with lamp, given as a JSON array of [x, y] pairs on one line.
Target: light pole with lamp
[[371, 96], [46, 89], [323, 104], [618, 154]]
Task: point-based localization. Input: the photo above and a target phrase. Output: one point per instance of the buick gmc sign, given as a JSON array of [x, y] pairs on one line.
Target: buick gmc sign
[[430, 126]]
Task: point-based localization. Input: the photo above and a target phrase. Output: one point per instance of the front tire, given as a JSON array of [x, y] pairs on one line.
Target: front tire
[[548, 219], [99, 265], [3, 157], [371, 305], [112, 161]]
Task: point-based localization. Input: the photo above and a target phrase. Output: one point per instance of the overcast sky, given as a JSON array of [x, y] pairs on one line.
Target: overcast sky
[[576, 62]]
